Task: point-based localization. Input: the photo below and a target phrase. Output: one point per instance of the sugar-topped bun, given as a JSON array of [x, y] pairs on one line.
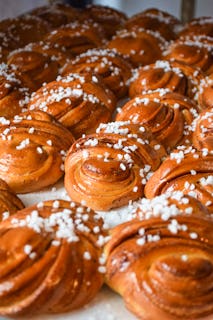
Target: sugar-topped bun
[[14, 91], [194, 50], [111, 167], [55, 263], [156, 20], [198, 26], [187, 170], [77, 37], [79, 101], [168, 115], [170, 75], [155, 263], [140, 46], [33, 151], [114, 70], [109, 18]]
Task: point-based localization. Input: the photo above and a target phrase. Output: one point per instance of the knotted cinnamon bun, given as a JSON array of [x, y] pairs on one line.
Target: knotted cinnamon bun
[[13, 93], [111, 66], [139, 46], [193, 50], [166, 17], [109, 18], [198, 26], [111, 167], [55, 52], [77, 37], [155, 20], [33, 147], [169, 116], [55, 263], [5, 47], [23, 30], [163, 267], [203, 134], [35, 64], [187, 170], [172, 75], [9, 201], [56, 14], [79, 101], [205, 93]]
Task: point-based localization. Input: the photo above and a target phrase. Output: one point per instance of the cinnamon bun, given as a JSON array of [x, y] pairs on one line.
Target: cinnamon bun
[[155, 20], [139, 46], [24, 29], [56, 14], [13, 93], [79, 101], [111, 66], [55, 263], [168, 115], [163, 267], [170, 75], [198, 26], [187, 170], [203, 133], [10, 203], [33, 147], [77, 37], [35, 64], [205, 93], [111, 167], [109, 18], [193, 50]]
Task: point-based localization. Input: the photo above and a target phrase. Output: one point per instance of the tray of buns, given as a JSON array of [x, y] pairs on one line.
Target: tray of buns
[[106, 165]]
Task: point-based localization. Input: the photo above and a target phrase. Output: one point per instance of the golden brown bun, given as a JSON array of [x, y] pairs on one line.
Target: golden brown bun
[[56, 14], [169, 116], [14, 91], [35, 64], [187, 170], [33, 151], [55, 52], [139, 46], [163, 268], [196, 51], [155, 20], [77, 37], [205, 94], [54, 263], [23, 30], [203, 134], [109, 18], [198, 26], [166, 17], [111, 66], [109, 168], [79, 101], [9, 201], [170, 75]]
